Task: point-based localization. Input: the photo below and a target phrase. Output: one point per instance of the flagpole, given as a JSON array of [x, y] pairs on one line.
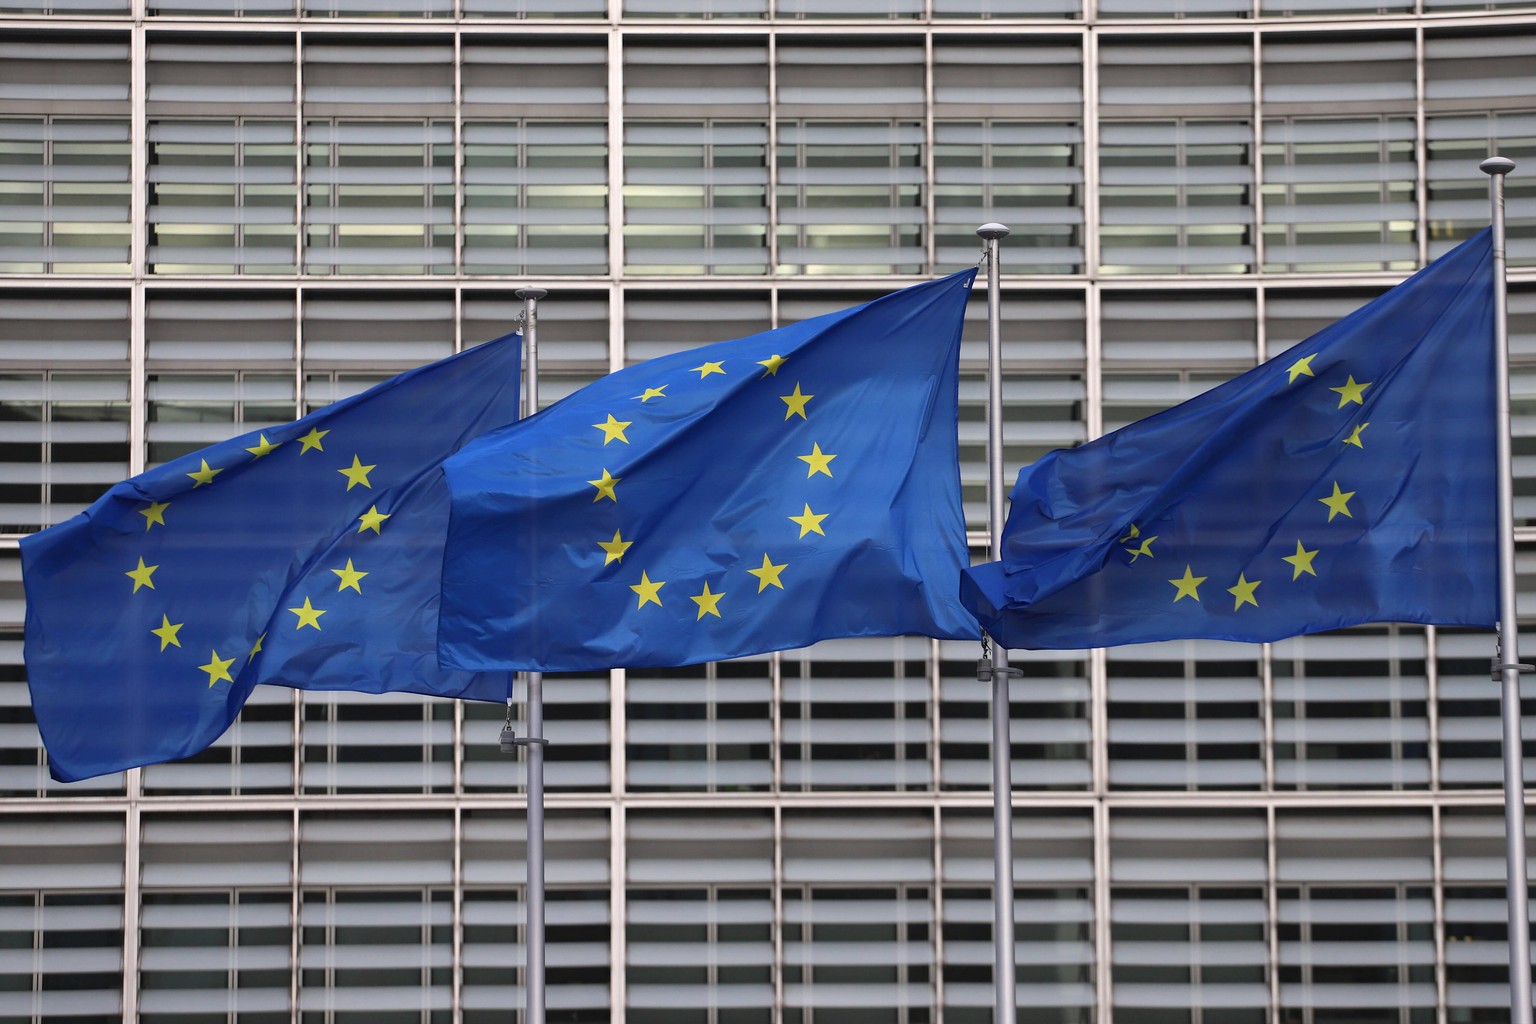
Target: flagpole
[[1508, 668], [534, 742], [1002, 749]]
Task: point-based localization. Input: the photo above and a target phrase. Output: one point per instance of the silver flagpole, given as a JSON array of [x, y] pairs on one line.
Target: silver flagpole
[[534, 741], [1508, 667], [1002, 750]]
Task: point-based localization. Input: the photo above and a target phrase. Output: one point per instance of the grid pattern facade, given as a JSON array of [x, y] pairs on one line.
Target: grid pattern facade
[[218, 214]]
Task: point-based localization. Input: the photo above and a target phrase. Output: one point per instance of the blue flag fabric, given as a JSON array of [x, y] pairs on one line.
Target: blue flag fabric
[[1349, 480], [307, 555], [747, 496]]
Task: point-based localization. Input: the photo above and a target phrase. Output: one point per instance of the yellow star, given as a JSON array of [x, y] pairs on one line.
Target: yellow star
[[1243, 592], [796, 403], [1135, 531], [1189, 585], [204, 475], [308, 615], [141, 575], [1351, 392], [605, 487], [708, 603], [350, 577], [809, 522], [649, 592], [771, 365], [372, 519], [264, 448], [1302, 561], [709, 368], [312, 440], [357, 473], [615, 548], [255, 648], [154, 514], [167, 632], [1145, 549], [650, 393], [217, 669], [613, 429], [1339, 502], [1302, 368], [768, 575], [817, 461], [1354, 438]]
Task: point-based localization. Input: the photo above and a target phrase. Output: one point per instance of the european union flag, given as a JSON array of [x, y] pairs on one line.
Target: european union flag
[[1349, 480], [306, 555], [742, 497]]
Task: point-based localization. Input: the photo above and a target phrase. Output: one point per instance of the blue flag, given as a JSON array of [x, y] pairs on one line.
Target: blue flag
[[742, 497], [1349, 480], [307, 555]]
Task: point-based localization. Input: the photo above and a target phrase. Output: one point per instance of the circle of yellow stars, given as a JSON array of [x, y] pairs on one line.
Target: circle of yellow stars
[[307, 616], [807, 524], [1245, 591]]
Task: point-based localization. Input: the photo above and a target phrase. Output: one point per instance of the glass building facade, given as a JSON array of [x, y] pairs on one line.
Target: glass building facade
[[218, 214]]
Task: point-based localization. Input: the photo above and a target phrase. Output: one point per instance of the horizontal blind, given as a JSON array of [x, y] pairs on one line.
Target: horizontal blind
[[62, 956], [1496, 70], [215, 953], [1049, 727], [222, 197], [370, 849], [662, 323], [67, 207], [850, 197], [535, 198], [182, 851], [709, 727], [1187, 946], [66, 851], [577, 723], [254, 76], [1176, 197], [1339, 195], [696, 197], [979, 78], [1020, 172], [199, 329], [376, 743], [573, 328], [1358, 75], [576, 940], [1470, 711], [855, 714], [1169, 330], [1458, 193], [1196, 76], [378, 197], [1185, 714], [1052, 913], [343, 79], [693, 949], [369, 951], [59, 74], [68, 433], [818, 79], [729, 79], [1351, 709], [533, 76], [1179, 846], [368, 331]]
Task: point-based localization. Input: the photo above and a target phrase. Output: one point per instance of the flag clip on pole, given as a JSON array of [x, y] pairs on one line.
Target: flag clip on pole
[[533, 979], [995, 667], [1507, 667]]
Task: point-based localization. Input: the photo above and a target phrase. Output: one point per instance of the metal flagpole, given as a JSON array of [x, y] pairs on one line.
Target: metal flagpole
[[533, 979], [1508, 665], [997, 669]]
